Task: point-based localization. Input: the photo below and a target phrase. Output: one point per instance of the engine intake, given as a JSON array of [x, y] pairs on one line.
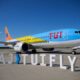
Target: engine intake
[[21, 47], [25, 47]]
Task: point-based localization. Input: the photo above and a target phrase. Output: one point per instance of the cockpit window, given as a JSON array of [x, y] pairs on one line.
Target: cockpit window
[[78, 32]]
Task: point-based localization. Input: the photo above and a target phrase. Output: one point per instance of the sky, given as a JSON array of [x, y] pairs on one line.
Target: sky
[[27, 17]]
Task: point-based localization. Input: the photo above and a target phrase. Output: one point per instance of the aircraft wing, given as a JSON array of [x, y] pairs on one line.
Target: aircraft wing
[[3, 47], [77, 47], [6, 43], [1, 42]]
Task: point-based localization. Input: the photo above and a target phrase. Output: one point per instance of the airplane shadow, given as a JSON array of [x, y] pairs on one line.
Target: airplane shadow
[[53, 52]]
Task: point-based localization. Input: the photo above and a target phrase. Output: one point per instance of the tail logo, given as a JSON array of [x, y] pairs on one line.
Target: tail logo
[[8, 37]]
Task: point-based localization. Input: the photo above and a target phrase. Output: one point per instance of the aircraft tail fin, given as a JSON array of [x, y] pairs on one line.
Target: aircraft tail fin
[[8, 36]]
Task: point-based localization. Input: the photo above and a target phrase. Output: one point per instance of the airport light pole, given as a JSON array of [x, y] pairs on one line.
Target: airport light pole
[[0, 36]]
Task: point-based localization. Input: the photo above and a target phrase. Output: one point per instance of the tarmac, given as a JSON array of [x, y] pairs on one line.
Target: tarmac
[[37, 72]]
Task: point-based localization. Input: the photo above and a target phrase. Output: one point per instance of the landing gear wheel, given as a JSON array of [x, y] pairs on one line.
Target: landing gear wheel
[[34, 51], [73, 52]]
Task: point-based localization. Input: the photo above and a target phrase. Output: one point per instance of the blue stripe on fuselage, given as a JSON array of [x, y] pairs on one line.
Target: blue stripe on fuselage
[[59, 35]]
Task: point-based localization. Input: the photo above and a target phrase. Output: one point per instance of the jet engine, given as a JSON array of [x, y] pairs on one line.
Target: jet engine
[[21, 47], [48, 49]]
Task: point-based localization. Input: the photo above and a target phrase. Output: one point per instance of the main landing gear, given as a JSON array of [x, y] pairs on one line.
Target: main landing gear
[[34, 51], [74, 52]]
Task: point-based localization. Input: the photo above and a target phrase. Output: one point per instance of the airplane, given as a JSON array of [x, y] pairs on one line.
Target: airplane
[[63, 38]]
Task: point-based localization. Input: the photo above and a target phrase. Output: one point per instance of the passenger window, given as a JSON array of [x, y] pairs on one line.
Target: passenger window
[[76, 31], [79, 32]]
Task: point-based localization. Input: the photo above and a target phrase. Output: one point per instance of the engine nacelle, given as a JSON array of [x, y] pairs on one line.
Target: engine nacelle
[[21, 47], [48, 49]]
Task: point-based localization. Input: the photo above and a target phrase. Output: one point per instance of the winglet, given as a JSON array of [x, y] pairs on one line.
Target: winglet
[[8, 37]]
